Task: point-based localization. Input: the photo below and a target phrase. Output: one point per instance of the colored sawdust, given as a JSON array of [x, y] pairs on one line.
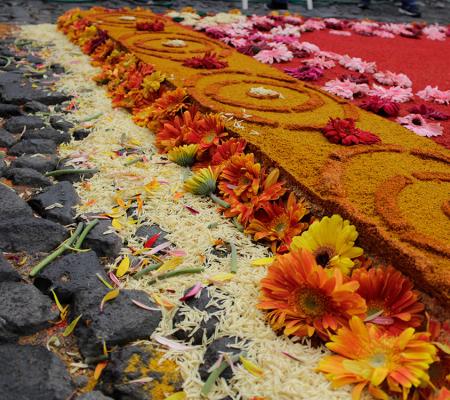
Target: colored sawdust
[[158, 388], [285, 132]]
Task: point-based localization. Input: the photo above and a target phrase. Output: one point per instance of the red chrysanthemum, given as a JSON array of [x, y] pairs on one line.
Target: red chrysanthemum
[[278, 222], [429, 112], [381, 106], [208, 61], [150, 26], [343, 131], [391, 301]]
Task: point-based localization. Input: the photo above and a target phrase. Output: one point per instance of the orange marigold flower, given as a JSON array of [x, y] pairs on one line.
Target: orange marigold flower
[[278, 222], [302, 298], [369, 356], [391, 302]]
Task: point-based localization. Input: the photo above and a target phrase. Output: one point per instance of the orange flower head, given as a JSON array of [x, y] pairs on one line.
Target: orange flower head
[[226, 150], [278, 222], [391, 302], [303, 299], [208, 133], [370, 356], [241, 177]]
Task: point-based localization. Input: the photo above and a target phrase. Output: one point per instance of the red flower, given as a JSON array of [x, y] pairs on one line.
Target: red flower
[[156, 26], [381, 106], [227, 149], [305, 73], [429, 112], [343, 131], [208, 61]]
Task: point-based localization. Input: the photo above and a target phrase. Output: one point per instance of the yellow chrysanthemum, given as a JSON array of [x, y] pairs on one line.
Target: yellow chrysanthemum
[[153, 82], [369, 356], [331, 241], [183, 155]]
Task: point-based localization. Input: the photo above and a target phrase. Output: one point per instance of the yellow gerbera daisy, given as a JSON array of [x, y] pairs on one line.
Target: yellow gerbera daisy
[[331, 241], [369, 356]]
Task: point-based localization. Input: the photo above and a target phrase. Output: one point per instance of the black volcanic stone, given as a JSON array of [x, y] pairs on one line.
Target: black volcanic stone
[[7, 271], [9, 110], [33, 373], [40, 162], [94, 395], [30, 234], [33, 146], [58, 122], [35, 106], [71, 273], [47, 133], [62, 193], [80, 134], [11, 205], [120, 322], [25, 310], [27, 177], [108, 245], [17, 123], [136, 362], [7, 139], [213, 352]]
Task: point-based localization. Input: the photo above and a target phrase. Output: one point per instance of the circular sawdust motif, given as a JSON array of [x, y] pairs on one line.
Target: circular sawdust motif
[[125, 19], [295, 105], [155, 44], [389, 191]]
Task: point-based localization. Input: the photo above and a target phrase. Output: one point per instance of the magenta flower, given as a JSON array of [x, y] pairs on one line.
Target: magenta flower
[[305, 73], [418, 124], [380, 106], [361, 78], [344, 131], [429, 112]]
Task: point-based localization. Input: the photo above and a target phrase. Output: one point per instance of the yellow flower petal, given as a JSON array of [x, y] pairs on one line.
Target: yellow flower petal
[[262, 262], [251, 367], [123, 267]]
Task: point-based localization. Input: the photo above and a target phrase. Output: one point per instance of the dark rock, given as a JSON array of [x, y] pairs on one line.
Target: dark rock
[[147, 231], [139, 362], [80, 381], [95, 395], [15, 92], [58, 122], [28, 177], [11, 205], [25, 310], [30, 234], [34, 106], [62, 193], [34, 59], [9, 77], [17, 123], [7, 139], [80, 134], [33, 146], [7, 271], [3, 166], [207, 326], [57, 68], [9, 110], [47, 133], [108, 245], [33, 373], [120, 322], [39, 162], [53, 98], [70, 274], [213, 352]]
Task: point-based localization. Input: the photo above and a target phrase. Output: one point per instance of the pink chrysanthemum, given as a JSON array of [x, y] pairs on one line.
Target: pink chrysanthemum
[[418, 124], [346, 89], [276, 55], [339, 33], [312, 25], [395, 93], [434, 94], [357, 64], [392, 79], [319, 62], [435, 32]]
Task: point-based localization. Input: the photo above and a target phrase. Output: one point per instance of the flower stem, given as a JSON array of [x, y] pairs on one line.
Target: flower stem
[[134, 161], [181, 271], [61, 249], [7, 59], [237, 224], [85, 232], [219, 201], [233, 258], [69, 171], [148, 269], [216, 373], [90, 118]]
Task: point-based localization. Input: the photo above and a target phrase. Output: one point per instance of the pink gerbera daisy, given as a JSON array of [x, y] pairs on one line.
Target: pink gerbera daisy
[[418, 124]]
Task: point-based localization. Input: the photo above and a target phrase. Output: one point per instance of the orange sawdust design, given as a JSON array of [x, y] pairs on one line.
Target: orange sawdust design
[[285, 132]]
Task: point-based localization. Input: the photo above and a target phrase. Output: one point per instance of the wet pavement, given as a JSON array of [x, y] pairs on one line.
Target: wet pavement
[[40, 11]]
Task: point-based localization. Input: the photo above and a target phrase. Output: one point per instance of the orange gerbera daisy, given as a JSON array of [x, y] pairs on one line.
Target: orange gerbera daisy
[[174, 133], [278, 222], [163, 109], [226, 150], [369, 356], [208, 134], [391, 302], [303, 299]]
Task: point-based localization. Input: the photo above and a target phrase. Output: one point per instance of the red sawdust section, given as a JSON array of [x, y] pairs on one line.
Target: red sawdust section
[[424, 61], [285, 132]]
